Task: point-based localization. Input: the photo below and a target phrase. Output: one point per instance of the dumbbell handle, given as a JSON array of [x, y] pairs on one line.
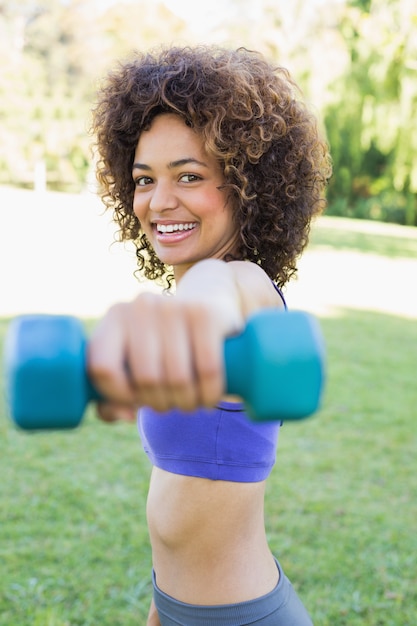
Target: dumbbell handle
[[276, 365]]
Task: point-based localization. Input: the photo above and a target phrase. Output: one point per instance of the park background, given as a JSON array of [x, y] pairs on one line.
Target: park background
[[342, 499]]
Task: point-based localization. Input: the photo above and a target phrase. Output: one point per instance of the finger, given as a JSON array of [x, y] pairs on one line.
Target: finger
[[144, 353], [178, 360], [109, 412], [208, 352], [106, 357]]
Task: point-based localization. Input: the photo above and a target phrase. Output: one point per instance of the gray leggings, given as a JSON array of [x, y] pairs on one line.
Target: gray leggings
[[280, 607]]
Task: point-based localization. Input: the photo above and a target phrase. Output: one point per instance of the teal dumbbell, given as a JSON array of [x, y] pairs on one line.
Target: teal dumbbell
[[276, 365]]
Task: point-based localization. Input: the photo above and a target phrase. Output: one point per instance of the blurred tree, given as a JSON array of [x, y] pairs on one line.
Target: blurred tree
[[363, 5], [371, 122], [356, 61], [43, 94], [126, 27], [55, 52], [296, 34]]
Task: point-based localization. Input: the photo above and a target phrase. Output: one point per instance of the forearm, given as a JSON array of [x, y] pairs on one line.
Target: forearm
[[163, 352]]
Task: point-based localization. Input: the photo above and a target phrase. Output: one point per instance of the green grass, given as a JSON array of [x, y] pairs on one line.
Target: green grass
[[341, 502], [368, 237]]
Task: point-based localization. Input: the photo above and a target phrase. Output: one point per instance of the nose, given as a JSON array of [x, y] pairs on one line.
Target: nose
[[163, 197]]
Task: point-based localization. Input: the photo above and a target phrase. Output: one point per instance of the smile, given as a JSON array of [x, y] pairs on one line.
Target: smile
[[173, 228]]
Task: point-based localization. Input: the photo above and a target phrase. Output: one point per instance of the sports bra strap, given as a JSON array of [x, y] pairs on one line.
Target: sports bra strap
[[280, 294]]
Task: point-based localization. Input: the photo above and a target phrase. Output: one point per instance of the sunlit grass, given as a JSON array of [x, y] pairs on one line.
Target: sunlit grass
[[342, 502], [389, 240]]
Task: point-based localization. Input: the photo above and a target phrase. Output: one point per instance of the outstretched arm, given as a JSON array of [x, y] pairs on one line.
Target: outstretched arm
[[164, 351]]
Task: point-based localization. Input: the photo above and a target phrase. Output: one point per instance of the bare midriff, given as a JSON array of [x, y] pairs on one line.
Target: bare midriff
[[208, 539]]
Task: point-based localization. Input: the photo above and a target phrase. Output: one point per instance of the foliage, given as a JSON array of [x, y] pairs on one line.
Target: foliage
[[371, 122], [355, 60], [55, 54]]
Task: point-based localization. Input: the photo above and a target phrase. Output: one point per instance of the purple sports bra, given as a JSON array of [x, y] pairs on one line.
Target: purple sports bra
[[220, 443]]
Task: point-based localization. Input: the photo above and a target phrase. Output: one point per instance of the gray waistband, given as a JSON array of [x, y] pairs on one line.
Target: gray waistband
[[172, 612]]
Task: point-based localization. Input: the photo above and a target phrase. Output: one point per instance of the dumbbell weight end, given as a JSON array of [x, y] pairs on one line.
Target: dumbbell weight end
[[41, 396], [278, 365]]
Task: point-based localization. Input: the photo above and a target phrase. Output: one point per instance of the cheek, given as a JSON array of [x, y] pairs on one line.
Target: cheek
[[138, 208], [216, 203]]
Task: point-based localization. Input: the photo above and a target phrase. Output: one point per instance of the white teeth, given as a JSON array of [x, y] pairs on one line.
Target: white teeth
[[172, 228]]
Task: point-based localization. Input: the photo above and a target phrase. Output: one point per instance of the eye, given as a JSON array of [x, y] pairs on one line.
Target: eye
[[141, 181], [189, 178]]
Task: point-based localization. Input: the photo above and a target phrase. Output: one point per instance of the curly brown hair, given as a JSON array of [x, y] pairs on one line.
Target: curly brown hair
[[252, 120]]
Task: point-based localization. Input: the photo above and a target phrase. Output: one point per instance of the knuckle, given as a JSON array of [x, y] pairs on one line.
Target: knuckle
[[146, 384], [101, 373]]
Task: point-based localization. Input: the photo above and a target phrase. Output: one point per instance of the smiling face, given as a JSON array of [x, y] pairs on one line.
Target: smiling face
[[178, 200]]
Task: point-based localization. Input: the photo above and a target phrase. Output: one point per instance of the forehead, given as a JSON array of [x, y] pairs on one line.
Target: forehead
[[169, 129]]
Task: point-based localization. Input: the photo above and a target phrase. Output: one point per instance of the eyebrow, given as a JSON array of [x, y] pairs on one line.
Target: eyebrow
[[171, 165]]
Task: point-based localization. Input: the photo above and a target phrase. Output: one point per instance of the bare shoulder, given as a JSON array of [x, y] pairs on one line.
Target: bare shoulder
[[238, 288], [256, 289]]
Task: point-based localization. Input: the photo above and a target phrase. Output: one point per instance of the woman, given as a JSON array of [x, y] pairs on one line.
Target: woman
[[214, 167]]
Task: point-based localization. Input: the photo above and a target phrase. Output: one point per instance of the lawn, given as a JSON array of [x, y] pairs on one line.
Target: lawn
[[341, 502]]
